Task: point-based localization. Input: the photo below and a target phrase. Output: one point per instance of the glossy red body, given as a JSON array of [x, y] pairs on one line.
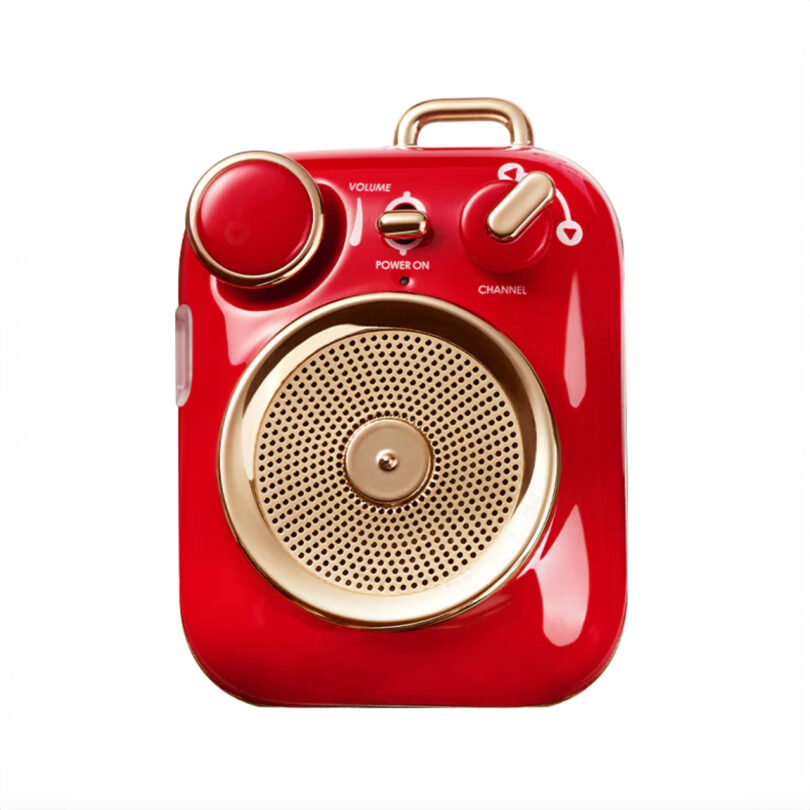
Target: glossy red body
[[551, 630]]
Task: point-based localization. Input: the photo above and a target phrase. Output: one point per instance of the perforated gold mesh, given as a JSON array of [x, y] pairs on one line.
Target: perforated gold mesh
[[300, 482]]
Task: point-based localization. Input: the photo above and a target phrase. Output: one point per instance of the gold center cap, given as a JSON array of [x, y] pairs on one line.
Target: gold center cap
[[388, 461]]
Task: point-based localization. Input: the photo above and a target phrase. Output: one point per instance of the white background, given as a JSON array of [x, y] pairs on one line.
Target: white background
[[695, 120]]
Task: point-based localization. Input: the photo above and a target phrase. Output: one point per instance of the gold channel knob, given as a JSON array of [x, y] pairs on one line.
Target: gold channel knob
[[521, 206]]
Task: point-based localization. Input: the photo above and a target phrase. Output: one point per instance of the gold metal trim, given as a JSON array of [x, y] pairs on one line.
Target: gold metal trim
[[464, 109], [403, 223], [240, 434], [297, 262], [400, 468], [521, 206]]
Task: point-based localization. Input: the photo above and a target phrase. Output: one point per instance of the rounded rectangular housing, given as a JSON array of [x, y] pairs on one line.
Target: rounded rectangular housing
[[402, 472]]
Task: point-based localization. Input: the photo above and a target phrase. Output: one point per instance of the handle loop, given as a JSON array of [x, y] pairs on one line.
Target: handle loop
[[464, 109]]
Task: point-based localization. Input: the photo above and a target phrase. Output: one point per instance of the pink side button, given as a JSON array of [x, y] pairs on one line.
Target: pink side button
[[183, 355]]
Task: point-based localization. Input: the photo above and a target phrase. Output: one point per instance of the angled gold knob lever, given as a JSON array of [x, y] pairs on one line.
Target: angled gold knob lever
[[521, 206], [403, 223]]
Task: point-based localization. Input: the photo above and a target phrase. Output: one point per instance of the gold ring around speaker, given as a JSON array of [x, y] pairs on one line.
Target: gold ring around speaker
[[388, 460]]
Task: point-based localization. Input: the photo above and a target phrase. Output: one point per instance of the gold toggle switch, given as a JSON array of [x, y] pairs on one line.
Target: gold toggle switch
[[403, 223], [521, 206]]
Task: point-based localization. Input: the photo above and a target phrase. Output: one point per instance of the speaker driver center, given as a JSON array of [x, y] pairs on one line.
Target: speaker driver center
[[388, 461]]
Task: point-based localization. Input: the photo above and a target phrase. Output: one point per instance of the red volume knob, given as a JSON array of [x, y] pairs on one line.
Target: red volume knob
[[255, 218]]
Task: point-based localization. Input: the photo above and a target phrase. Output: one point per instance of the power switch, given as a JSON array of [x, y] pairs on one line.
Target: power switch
[[403, 223]]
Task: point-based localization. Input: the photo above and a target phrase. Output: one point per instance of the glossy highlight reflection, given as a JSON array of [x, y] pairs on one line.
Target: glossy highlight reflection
[[564, 578], [574, 369]]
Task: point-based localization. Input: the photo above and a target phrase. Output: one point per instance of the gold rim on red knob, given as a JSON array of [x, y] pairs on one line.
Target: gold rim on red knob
[[297, 262]]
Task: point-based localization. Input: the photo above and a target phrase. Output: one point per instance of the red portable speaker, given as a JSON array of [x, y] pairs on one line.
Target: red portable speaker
[[400, 395]]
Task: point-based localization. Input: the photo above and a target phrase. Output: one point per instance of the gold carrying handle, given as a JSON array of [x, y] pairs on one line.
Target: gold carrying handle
[[464, 109]]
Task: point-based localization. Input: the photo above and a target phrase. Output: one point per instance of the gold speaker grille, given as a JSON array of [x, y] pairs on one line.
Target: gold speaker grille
[[470, 426], [388, 460]]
